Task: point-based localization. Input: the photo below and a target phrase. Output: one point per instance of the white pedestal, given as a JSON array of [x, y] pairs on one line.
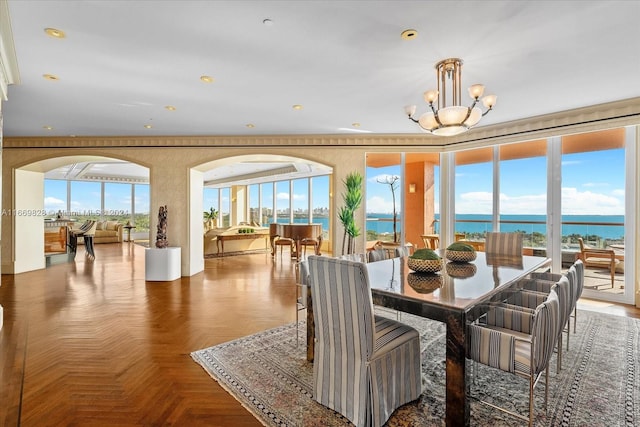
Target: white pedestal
[[162, 265]]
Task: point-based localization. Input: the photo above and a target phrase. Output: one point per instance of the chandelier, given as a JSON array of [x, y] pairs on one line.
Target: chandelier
[[451, 117]]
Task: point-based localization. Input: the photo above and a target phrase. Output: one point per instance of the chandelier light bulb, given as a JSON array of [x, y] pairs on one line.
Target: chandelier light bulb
[[431, 96], [410, 110], [489, 101], [476, 91]]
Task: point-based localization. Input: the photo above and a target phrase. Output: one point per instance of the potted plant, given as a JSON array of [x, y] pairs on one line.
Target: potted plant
[[210, 218], [352, 200]]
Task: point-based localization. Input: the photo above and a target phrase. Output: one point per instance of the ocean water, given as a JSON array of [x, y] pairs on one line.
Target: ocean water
[[584, 224]]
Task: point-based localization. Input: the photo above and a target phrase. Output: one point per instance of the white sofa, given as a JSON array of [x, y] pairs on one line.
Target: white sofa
[[108, 232]]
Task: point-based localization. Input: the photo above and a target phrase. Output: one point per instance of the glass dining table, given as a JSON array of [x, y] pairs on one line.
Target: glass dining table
[[456, 295]]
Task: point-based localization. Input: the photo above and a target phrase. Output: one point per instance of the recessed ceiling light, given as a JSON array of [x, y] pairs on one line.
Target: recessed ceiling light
[[47, 127], [297, 107], [148, 126], [250, 125], [50, 77], [53, 32], [409, 34], [355, 125], [268, 22], [170, 108], [206, 79]]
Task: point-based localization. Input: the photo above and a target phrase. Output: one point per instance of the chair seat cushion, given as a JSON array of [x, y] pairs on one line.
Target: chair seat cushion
[[605, 262], [390, 334]]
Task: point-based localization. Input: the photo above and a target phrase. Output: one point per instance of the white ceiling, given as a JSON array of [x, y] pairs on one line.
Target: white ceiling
[[122, 62]]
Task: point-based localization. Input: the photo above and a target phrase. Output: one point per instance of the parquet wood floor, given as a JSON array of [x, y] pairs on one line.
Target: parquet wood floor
[[93, 344]]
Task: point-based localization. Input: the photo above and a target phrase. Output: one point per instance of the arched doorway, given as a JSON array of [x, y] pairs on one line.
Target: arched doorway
[[36, 208], [259, 189]]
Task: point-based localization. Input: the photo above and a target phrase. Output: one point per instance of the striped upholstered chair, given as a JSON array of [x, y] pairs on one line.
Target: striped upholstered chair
[[575, 274], [508, 244], [565, 287], [522, 346], [377, 255], [365, 366]]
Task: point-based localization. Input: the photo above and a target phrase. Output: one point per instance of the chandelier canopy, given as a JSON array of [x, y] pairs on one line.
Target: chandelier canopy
[[451, 117]]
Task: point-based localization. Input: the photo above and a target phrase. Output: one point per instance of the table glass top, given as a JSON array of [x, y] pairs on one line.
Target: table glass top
[[457, 285]]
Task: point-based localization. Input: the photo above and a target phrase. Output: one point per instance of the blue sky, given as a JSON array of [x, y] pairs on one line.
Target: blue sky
[[592, 184], [85, 196]]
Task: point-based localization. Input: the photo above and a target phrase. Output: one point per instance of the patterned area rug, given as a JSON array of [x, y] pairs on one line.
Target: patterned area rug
[[599, 384]]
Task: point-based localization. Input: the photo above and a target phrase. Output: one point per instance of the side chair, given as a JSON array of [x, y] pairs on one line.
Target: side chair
[[524, 350], [509, 244], [431, 241], [302, 291], [365, 366], [602, 258], [377, 255]]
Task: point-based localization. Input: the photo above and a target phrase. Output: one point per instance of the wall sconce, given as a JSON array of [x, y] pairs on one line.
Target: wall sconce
[[412, 188]]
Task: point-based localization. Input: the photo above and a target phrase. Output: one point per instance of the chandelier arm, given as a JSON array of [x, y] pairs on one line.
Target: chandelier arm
[[435, 114], [468, 114], [485, 113], [413, 120]]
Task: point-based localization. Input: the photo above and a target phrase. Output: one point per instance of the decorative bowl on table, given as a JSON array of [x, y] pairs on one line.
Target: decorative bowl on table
[[460, 252], [425, 261], [425, 265], [425, 283], [461, 270]]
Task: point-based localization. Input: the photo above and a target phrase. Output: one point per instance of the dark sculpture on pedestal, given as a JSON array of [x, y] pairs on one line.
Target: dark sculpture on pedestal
[[161, 235]]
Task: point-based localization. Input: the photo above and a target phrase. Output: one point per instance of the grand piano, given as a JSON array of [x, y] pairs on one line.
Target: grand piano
[[296, 232]]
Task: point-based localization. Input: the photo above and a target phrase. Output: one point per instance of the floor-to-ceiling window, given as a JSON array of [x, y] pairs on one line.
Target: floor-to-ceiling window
[[283, 196], [523, 191], [141, 210], [512, 187], [211, 200], [81, 200], [319, 194], [300, 200], [55, 198], [85, 200], [593, 202], [384, 189], [474, 192], [117, 202], [254, 204], [225, 207]]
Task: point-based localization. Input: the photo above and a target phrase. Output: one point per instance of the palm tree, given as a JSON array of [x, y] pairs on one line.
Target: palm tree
[[392, 182], [211, 216]]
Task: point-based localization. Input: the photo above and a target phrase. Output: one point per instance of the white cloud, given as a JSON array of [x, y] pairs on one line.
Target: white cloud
[[377, 204], [477, 202], [574, 202], [52, 203], [532, 204], [282, 196], [595, 184], [299, 197]]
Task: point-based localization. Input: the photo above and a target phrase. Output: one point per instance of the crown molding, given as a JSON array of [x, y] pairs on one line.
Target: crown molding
[[8, 59]]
